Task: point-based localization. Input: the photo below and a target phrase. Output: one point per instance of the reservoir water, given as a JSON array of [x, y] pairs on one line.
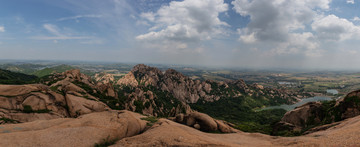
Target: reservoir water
[[332, 91], [303, 101]]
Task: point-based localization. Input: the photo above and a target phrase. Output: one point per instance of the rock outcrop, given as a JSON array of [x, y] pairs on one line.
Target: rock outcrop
[[62, 98], [204, 122], [168, 133], [125, 128], [349, 106], [301, 116], [79, 105], [84, 131], [128, 80], [316, 113]]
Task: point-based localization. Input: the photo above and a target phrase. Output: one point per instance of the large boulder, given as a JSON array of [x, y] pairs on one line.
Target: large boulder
[[17, 90], [302, 115], [84, 131], [25, 103], [79, 105], [168, 133], [204, 122], [349, 106]]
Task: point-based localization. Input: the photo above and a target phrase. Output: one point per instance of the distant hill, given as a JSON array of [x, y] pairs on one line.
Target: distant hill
[[22, 68], [8, 77], [52, 70]]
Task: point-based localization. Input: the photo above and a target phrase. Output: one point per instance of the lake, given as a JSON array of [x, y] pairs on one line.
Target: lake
[[286, 83], [332, 91], [303, 101]]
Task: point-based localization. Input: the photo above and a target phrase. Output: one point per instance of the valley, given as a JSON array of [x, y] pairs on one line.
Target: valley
[[274, 106]]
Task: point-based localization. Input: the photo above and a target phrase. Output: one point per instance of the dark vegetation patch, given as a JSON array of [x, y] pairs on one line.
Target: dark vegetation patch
[[151, 120], [106, 142], [28, 109], [8, 77], [8, 120], [239, 111]]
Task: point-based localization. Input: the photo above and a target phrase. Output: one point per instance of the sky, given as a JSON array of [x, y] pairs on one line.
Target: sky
[[303, 34]]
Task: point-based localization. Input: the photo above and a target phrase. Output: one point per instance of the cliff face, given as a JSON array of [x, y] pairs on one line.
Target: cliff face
[[181, 87]]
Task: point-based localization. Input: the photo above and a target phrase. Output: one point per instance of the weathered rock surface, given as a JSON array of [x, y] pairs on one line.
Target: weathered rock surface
[[84, 131], [204, 122], [89, 129], [349, 106], [168, 133], [79, 105], [300, 117], [128, 80], [24, 103], [15, 90]]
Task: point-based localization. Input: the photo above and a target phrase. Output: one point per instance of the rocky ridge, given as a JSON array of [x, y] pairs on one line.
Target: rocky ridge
[[144, 84]]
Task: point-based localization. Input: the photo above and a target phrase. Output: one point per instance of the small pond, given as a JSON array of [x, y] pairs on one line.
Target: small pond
[[332, 91]]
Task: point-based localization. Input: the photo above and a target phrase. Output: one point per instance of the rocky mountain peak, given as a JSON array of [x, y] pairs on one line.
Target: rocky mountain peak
[[173, 72], [141, 70], [147, 75], [74, 73]]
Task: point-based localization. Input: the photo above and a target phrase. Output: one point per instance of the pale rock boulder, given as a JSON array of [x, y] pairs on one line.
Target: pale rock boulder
[[7, 103], [16, 90], [168, 133], [29, 117], [225, 127], [37, 101], [204, 122], [79, 105], [84, 131], [65, 85], [300, 116]]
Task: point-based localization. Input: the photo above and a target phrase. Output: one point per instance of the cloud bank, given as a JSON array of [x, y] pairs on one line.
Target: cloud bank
[[184, 22]]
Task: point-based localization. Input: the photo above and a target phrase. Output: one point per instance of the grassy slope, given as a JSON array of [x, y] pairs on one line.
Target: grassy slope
[[51, 70], [8, 77]]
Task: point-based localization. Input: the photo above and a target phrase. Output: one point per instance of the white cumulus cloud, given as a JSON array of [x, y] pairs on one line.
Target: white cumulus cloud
[[184, 22], [280, 24], [2, 29], [334, 28], [356, 18], [350, 1]]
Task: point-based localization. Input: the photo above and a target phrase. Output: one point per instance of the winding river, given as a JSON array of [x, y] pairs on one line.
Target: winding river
[[303, 101]]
